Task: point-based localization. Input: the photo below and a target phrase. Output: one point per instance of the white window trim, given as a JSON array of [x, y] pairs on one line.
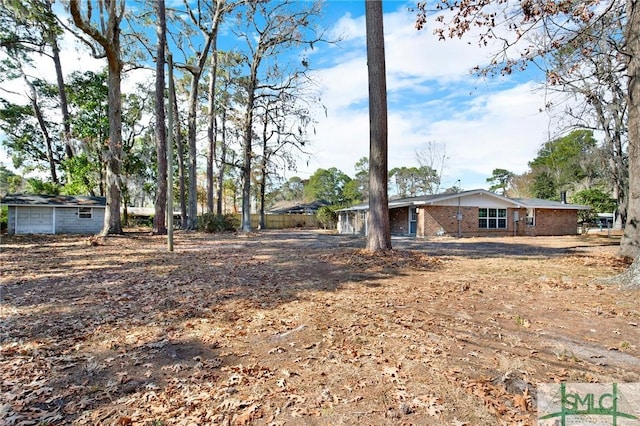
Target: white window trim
[[80, 213], [531, 220], [497, 218]]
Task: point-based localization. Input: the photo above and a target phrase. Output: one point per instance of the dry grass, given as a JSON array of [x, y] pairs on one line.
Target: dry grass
[[305, 328]]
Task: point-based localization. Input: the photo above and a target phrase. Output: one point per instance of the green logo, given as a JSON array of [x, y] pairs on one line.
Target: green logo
[[589, 404]]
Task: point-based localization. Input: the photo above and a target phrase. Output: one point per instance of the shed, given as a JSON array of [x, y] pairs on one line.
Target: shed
[[469, 213], [54, 214]]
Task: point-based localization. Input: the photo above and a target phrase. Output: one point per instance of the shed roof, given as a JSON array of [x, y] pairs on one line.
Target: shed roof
[[53, 200]]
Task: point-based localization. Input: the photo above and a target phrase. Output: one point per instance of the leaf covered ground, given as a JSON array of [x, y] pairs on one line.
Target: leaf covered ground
[[302, 327]]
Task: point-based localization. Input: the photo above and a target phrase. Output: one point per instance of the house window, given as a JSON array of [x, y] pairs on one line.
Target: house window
[[492, 218], [531, 217], [85, 212]]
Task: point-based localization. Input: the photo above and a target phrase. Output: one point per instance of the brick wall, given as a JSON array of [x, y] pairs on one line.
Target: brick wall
[[437, 221], [554, 222], [442, 220], [399, 221]]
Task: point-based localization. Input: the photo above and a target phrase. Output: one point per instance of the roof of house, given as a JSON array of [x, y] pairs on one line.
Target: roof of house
[[299, 208], [538, 203], [53, 200], [437, 199]]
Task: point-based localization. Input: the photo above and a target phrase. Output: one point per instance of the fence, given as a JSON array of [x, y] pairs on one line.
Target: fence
[[284, 221]]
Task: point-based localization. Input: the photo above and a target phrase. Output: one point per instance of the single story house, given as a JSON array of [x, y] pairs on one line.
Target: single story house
[[54, 214], [467, 214], [299, 208]]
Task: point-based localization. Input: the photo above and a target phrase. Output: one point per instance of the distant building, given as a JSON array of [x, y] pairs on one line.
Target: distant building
[[299, 208]]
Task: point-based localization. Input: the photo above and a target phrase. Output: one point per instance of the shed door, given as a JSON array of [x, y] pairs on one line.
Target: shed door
[[34, 220]]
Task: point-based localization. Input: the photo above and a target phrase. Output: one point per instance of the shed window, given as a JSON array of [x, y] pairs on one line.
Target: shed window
[[85, 212], [492, 218]]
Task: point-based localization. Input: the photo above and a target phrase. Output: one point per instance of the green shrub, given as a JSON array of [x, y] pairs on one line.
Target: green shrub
[[210, 222], [4, 218], [327, 217], [37, 186]]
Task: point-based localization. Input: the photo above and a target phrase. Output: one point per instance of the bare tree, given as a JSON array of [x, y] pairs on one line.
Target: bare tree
[[592, 77], [104, 30], [272, 28], [285, 119], [434, 155], [182, 184], [221, 8], [205, 17], [379, 232], [212, 128], [556, 25]]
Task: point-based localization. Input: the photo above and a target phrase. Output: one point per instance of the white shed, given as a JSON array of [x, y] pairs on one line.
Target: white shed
[[54, 214]]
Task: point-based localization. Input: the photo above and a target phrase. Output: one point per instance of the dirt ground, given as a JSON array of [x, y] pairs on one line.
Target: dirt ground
[[305, 328]]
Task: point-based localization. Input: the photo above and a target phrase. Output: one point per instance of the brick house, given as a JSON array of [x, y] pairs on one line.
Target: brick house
[[469, 214], [54, 214]]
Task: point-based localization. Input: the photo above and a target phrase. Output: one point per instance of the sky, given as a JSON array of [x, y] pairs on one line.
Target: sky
[[481, 123]]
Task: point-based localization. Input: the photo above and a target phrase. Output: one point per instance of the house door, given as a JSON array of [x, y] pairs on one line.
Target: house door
[[34, 220], [413, 220]]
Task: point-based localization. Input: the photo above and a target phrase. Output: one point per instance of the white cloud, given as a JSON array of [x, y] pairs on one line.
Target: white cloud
[[432, 97], [485, 124], [504, 131]]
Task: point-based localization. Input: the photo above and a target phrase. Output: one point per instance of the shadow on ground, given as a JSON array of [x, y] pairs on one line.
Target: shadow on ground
[[84, 325]]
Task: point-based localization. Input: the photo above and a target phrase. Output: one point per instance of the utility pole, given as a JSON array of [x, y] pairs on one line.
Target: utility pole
[[170, 158]]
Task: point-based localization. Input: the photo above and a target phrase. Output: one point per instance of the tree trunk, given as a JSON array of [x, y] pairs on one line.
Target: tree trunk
[[196, 73], [630, 244], [248, 150], [629, 279], [112, 222], [263, 170], [222, 167], [379, 234], [64, 104], [246, 188], [181, 175], [110, 42], [192, 205], [159, 226], [263, 190], [211, 128], [43, 129]]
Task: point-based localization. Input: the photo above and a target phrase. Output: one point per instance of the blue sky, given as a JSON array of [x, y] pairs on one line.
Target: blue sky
[[482, 123]]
